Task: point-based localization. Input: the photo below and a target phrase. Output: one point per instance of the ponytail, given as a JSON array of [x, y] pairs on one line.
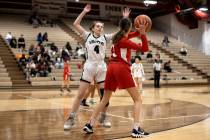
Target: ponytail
[[125, 25], [118, 36]]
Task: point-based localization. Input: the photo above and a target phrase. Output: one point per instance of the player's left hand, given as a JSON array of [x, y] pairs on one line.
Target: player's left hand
[[126, 12]]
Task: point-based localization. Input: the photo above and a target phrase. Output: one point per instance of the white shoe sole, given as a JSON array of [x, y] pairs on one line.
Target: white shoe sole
[[87, 130]]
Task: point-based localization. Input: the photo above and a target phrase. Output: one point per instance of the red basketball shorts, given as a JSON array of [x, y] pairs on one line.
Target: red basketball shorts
[[118, 76]]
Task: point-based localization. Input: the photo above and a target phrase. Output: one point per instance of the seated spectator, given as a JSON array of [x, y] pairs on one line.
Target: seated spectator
[[44, 22], [31, 50], [79, 51], [23, 61], [183, 51], [59, 63], [31, 66], [165, 41], [35, 23], [45, 37], [21, 43], [39, 38], [149, 56], [167, 66], [13, 42], [42, 69], [8, 37], [42, 48], [53, 47]]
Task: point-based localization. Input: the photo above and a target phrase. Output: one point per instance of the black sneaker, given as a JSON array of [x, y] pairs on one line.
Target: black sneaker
[[139, 133], [88, 128], [83, 103], [143, 132], [136, 134]]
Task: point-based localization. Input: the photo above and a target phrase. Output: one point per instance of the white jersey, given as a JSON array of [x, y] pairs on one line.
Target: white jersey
[[96, 46], [95, 67], [138, 70]]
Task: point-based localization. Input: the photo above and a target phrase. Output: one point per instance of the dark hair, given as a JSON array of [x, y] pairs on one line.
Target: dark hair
[[93, 24], [125, 25], [138, 57]]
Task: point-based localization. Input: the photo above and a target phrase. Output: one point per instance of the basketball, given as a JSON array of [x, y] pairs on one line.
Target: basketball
[[143, 19]]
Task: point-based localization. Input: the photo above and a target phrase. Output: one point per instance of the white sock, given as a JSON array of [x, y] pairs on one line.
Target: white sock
[[72, 115], [92, 122], [136, 126]]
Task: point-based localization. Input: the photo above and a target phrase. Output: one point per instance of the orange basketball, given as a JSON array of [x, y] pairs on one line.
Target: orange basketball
[[143, 19]]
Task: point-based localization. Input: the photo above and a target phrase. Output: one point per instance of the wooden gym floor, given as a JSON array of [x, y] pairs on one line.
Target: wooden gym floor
[[171, 113]]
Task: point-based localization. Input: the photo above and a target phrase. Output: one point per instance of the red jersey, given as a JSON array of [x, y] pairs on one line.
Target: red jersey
[[121, 51]]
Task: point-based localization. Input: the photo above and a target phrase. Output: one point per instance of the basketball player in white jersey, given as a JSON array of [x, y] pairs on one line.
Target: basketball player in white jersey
[[94, 67]]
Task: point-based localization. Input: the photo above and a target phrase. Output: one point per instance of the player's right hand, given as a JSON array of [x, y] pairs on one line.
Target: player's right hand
[[87, 8]]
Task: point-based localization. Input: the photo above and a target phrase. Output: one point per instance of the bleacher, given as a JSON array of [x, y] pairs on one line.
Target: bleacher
[[195, 57], [5, 80]]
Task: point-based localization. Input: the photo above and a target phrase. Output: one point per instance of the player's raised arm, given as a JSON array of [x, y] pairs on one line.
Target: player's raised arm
[[77, 22]]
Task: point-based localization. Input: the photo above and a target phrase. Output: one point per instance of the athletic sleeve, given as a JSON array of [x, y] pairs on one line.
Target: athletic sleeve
[[126, 43], [85, 35]]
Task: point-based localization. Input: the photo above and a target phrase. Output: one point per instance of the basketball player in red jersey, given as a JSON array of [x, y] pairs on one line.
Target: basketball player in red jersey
[[66, 74], [119, 74]]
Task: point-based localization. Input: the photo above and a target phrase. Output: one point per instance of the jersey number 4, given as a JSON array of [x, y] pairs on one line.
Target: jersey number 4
[[96, 49]]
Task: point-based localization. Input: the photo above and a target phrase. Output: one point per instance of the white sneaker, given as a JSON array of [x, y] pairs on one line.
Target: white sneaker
[[104, 121], [92, 101], [68, 124]]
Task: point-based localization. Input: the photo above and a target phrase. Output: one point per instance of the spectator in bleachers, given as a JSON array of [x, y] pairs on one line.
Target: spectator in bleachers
[[42, 69], [44, 22], [45, 37], [35, 23], [59, 63], [165, 41], [39, 38], [35, 18], [31, 50], [53, 47], [13, 42], [35, 58], [42, 48], [149, 56], [157, 71], [183, 51], [8, 37], [79, 51], [21, 43], [31, 66], [167, 66], [46, 56], [23, 61]]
